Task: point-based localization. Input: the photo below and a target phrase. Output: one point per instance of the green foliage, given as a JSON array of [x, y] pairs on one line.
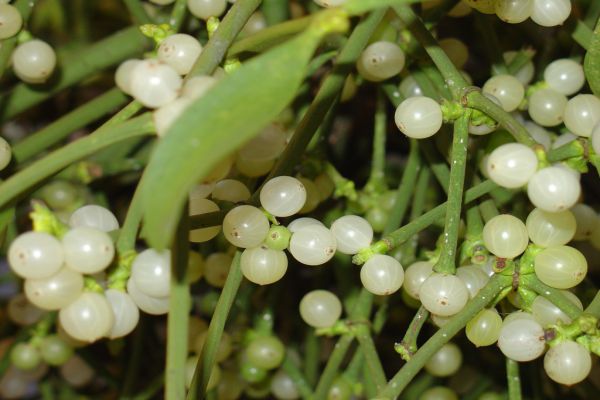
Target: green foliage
[[216, 125]]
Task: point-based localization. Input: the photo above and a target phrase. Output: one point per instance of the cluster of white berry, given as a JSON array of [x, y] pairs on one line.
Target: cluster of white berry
[[34, 60]]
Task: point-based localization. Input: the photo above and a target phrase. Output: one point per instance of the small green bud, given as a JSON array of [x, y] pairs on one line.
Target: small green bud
[[278, 237]]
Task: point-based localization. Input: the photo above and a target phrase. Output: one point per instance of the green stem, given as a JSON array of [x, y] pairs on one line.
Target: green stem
[[313, 353], [326, 96], [405, 189], [488, 209], [58, 130], [216, 48], [454, 79], [76, 68], [178, 14], [438, 166], [207, 358], [476, 100], [474, 222], [594, 307], [178, 317], [124, 113], [575, 148], [296, 375], [370, 388], [376, 180], [409, 342], [416, 210], [344, 187], [331, 368], [583, 34], [514, 380], [520, 60], [137, 11], [361, 311], [269, 37], [418, 386], [367, 346], [128, 233], [354, 366], [61, 158], [7, 45], [426, 85], [404, 233], [438, 81], [447, 261], [531, 281], [403, 377], [275, 11], [134, 362]]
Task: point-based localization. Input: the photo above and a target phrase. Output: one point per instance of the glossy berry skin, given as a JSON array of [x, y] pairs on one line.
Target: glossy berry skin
[[380, 60], [445, 362], [245, 226], [513, 11], [56, 291], [561, 267], [204, 9], [550, 12], [126, 313], [505, 236], [415, 275], [266, 352], [93, 216], [313, 245], [382, 275], [352, 233], [148, 304], [320, 308], [511, 165], [521, 339], [419, 117], [154, 84], [546, 107], [548, 229], [34, 61], [88, 318], [283, 196], [151, 271], [262, 265], [443, 295], [507, 89], [35, 255], [484, 328], [10, 21], [553, 189], [565, 76], [568, 363], [180, 51], [582, 114], [87, 250]]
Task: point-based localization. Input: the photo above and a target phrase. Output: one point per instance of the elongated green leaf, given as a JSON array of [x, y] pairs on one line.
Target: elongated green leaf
[[216, 125], [360, 6], [592, 61]]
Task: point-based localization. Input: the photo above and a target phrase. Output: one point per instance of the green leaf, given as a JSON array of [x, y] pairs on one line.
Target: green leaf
[[591, 63], [360, 6], [217, 124]]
